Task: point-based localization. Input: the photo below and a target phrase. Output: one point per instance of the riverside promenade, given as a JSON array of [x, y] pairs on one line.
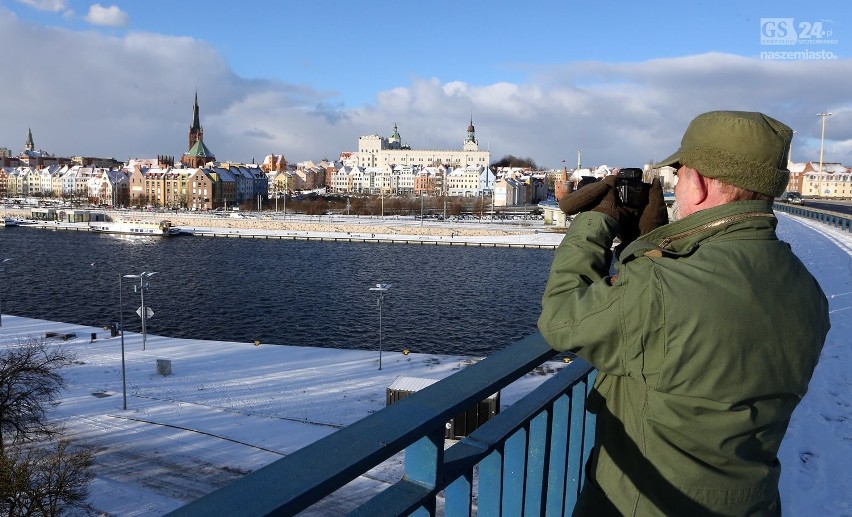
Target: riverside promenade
[[336, 228]]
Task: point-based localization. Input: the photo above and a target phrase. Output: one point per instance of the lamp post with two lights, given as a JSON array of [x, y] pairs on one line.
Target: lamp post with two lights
[[143, 312], [381, 289]]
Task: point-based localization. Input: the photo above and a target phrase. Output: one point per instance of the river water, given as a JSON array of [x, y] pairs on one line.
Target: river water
[[443, 299]]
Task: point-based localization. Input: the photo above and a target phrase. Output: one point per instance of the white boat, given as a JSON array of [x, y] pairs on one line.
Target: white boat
[[150, 228], [8, 221]]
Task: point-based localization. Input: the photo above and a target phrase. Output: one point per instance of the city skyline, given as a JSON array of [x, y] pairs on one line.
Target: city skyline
[[117, 80]]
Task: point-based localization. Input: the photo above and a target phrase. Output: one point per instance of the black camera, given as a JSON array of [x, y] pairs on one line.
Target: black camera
[[632, 191]]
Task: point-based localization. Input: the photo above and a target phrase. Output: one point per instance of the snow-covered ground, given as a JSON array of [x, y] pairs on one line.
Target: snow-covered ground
[[230, 408]]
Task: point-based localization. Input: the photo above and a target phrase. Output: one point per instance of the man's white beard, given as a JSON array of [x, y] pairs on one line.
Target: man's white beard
[[674, 212]]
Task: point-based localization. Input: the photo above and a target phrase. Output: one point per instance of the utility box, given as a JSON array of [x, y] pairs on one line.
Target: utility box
[[459, 426], [164, 367]]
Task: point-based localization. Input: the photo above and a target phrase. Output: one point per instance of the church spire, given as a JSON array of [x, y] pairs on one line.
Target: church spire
[[196, 132], [29, 145], [196, 123]]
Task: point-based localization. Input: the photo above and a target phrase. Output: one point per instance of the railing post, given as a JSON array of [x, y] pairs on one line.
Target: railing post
[[589, 429], [491, 484], [514, 472], [575, 446], [422, 460], [458, 496], [558, 467], [538, 458]]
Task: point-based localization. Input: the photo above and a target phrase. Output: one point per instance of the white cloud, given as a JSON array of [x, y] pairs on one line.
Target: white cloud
[[55, 6], [132, 96], [110, 16]]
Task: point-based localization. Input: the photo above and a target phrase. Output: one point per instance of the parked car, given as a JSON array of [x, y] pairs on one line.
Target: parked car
[[791, 197]]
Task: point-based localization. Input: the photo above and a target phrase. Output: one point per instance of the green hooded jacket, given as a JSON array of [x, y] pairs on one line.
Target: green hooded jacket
[[705, 341]]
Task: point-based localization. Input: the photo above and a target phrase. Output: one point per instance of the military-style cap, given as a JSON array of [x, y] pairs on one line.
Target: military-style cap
[[742, 148]]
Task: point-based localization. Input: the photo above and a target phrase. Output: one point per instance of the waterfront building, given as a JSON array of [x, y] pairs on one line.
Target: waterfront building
[[401, 180], [280, 182], [308, 176], [466, 182], [388, 152], [797, 173], [834, 182], [274, 163], [509, 192], [202, 191], [330, 169], [249, 181], [226, 187], [342, 180], [430, 181], [12, 182], [76, 184], [114, 188]]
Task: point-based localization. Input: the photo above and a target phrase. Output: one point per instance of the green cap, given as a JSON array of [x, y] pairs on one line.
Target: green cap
[[741, 148]]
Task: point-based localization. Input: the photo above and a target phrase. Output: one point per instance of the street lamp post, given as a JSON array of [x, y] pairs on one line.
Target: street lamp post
[[381, 289], [121, 330], [821, 147], [142, 310], [2, 270]]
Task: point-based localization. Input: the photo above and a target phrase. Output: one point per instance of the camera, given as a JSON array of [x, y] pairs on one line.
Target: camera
[[632, 191]]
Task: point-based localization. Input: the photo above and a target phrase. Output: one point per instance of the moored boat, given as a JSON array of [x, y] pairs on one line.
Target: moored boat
[[150, 228]]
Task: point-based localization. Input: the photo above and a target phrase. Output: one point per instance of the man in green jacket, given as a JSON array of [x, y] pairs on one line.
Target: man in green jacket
[[706, 335]]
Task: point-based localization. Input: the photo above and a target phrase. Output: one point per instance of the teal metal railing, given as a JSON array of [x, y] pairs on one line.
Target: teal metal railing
[[835, 219], [526, 460]]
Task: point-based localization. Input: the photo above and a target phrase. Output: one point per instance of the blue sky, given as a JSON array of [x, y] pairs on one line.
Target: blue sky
[[305, 79]]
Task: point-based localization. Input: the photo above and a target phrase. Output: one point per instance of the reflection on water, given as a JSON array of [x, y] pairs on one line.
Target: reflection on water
[[444, 299]]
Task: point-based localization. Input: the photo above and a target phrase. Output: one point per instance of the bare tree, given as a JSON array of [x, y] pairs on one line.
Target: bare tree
[[479, 206], [456, 207], [29, 384], [42, 481], [37, 475]]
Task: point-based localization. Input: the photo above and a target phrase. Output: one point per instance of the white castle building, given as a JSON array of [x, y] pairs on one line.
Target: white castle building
[[387, 153]]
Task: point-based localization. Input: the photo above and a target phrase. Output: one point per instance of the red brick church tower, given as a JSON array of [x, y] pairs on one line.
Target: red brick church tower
[[198, 154]]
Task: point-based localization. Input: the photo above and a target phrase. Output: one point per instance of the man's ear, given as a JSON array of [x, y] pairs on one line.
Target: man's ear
[[701, 188]]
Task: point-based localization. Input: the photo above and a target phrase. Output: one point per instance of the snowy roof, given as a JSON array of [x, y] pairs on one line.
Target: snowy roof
[[411, 383]]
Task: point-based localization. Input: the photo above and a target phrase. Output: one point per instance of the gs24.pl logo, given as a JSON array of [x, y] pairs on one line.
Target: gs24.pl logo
[[785, 31]]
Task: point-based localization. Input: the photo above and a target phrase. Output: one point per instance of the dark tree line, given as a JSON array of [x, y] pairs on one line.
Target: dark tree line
[[514, 161]]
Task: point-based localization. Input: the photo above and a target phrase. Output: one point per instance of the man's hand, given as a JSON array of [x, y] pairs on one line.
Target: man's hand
[[654, 214], [589, 197]]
